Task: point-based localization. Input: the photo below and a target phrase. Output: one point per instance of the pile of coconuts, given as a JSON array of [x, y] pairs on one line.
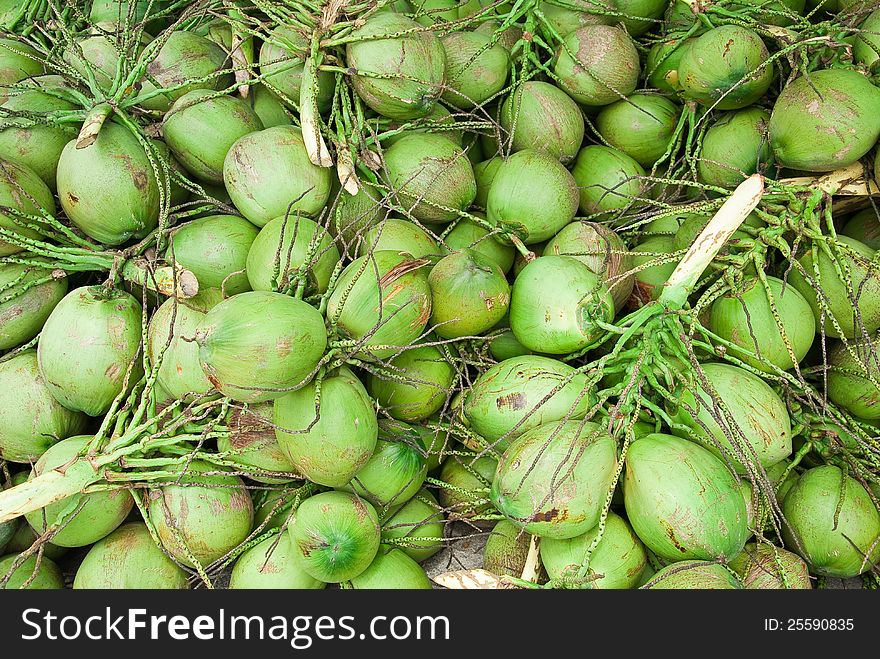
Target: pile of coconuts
[[293, 298]]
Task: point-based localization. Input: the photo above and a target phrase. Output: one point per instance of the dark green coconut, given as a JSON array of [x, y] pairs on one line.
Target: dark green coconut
[[726, 68], [641, 126], [334, 536], [415, 385], [736, 146]]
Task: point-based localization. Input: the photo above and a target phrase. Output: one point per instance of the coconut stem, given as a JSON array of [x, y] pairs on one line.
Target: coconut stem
[[847, 181], [530, 569], [172, 281], [92, 125], [44, 490], [728, 219]]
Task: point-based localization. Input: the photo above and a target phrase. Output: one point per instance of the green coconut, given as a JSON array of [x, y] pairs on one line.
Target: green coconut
[[476, 69], [602, 251], [509, 398], [270, 564], [652, 266], [23, 192], [95, 55], [351, 215], [850, 375], [726, 68], [506, 550], [406, 73], [638, 16], [505, 345], [129, 559], [609, 181], [282, 60], [268, 174], [439, 121], [758, 429], [735, 147], [469, 479], [200, 513], [392, 569], [33, 420], [283, 246], [469, 235], [394, 472], [215, 249], [532, 196], [30, 142], [597, 65], [256, 346], [616, 562], [682, 501], [109, 202], [429, 12], [867, 42], [641, 126], [268, 107], [864, 226], [416, 527], [328, 445], [565, 19], [484, 174], [661, 67], [825, 121], [746, 318], [17, 62], [273, 506], [31, 575], [428, 172], [251, 443], [555, 304], [185, 61], [201, 127], [767, 567], [469, 294], [334, 536], [415, 385], [172, 327], [119, 10], [27, 297], [832, 523], [98, 514], [852, 303], [398, 235], [553, 480], [382, 299], [542, 117], [694, 575], [89, 349]]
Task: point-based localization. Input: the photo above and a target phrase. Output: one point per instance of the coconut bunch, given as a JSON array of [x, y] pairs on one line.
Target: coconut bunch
[[352, 273]]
